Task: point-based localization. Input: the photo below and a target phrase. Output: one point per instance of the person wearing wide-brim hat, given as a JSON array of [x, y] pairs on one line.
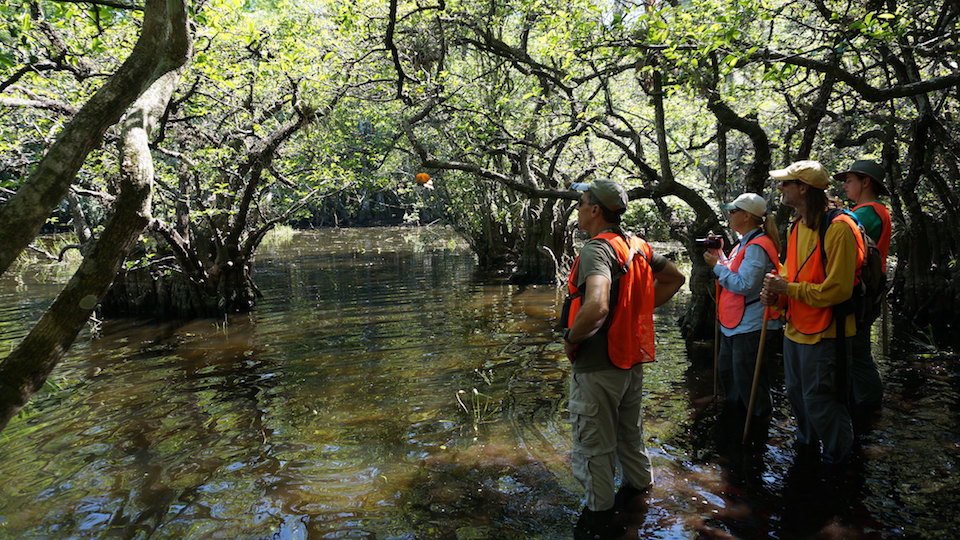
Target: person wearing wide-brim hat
[[863, 184], [739, 311], [813, 281]]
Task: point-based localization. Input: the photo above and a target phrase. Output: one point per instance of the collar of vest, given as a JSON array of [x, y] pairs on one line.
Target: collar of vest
[[745, 239]]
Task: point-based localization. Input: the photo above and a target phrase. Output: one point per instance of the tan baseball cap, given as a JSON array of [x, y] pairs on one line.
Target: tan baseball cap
[[807, 171]]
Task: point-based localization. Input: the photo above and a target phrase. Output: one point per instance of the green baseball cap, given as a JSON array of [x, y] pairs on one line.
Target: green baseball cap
[[869, 168], [610, 194]]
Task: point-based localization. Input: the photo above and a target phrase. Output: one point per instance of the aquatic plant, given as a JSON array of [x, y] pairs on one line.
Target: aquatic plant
[[281, 235], [482, 407]]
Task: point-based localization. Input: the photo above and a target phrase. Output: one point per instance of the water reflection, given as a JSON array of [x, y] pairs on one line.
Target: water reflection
[[382, 389]]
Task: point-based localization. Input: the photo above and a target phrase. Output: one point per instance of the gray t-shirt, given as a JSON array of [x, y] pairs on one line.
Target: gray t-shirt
[[599, 258]]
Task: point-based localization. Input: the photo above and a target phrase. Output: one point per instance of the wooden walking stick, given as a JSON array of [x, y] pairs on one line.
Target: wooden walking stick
[[756, 373], [716, 339]]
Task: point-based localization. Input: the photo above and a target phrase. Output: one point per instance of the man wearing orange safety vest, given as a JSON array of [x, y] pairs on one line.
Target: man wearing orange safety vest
[[810, 287], [614, 284], [863, 184]]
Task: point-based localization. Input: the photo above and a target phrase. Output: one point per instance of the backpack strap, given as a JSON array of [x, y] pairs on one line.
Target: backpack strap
[[828, 218], [825, 222], [632, 254]]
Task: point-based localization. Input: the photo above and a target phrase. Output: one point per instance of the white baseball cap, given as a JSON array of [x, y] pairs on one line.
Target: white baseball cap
[[748, 202]]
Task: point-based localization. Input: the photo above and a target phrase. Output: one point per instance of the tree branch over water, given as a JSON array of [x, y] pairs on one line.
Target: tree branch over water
[[47, 185], [26, 368]]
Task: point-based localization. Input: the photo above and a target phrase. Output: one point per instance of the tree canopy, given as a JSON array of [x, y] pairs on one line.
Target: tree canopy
[[285, 112]]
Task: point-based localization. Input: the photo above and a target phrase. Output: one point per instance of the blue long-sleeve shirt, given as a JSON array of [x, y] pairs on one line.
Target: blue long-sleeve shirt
[[747, 281]]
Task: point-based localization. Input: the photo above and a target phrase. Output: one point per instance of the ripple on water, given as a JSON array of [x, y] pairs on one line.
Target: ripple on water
[[381, 390]]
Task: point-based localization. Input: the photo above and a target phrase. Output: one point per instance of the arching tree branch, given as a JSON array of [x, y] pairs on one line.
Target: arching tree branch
[[46, 186]]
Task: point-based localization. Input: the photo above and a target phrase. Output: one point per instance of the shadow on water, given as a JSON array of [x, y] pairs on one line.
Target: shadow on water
[[385, 390]]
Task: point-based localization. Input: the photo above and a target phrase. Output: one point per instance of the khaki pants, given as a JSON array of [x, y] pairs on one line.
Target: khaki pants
[[607, 429]]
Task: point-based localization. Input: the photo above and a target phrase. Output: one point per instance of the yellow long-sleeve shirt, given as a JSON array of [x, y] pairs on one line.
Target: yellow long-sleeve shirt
[[841, 250]]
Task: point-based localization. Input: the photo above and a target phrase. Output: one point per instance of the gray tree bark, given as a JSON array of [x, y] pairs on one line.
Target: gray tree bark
[[26, 368], [24, 214]]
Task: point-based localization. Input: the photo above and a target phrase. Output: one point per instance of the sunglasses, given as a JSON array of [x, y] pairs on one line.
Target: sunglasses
[[786, 183]]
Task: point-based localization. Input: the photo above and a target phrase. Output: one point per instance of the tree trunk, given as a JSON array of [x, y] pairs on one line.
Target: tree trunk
[[22, 216], [926, 292], [169, 291], [80, 224], [153, 293], [697, 322], [542, 229], [24, 371]]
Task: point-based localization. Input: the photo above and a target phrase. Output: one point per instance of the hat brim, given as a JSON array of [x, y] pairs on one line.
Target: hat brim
[[839, 176], [782, 174], [877, 184], [731, 206], [580, 186]]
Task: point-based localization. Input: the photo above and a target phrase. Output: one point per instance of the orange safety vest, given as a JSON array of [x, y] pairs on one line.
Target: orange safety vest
[[629, 324], [732, 305], [804, 318], [886, 228]]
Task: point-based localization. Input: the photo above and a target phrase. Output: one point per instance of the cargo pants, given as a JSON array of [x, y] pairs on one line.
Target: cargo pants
[[607, 431]]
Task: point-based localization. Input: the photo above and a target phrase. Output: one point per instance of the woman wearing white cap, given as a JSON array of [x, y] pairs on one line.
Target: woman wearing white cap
[[740, 312]]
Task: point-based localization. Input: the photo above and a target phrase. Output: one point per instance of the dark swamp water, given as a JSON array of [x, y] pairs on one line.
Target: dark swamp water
[[383, 390]]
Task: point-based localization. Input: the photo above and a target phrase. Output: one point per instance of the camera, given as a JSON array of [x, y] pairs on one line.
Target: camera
[[712, 241]]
